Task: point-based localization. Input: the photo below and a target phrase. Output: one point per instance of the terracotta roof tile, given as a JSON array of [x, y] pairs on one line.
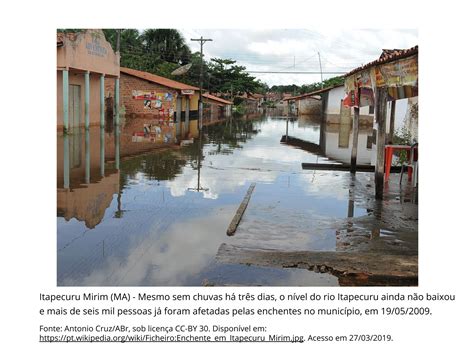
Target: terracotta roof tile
[[157, 79], [218, 99], [388, 55]]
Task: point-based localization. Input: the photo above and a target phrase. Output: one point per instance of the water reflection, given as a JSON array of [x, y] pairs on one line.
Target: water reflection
[[136, 212], [337, 144]]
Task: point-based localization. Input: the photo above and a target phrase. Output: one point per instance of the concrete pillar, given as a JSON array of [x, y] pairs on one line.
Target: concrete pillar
[[186, 115], [66, 160], [355, 139], [380, 114], [102, 101], [117, 101], [102, 152], [86, 100], [88, 158], [178, 116], [66, 99]]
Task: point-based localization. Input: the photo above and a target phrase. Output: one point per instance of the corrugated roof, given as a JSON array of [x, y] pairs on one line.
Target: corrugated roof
[[388, 55], [218, 99], [157, 79], [312, 93]]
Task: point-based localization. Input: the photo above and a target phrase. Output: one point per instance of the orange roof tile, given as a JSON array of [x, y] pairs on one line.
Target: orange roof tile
[[218, 99], [388, 55], [157, 79]]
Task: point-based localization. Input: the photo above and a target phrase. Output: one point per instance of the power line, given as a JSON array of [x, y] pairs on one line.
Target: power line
[[295, 72]]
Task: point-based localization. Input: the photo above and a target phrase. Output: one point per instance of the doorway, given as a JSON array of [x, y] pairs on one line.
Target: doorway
[[75, 106]]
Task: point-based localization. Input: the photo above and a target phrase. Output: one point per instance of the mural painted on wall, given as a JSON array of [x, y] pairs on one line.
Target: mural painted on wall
[[162, 103]]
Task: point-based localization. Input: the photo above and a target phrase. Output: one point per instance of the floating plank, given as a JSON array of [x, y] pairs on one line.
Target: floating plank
[[240, 211], [301, 144], [344, 167], [351, 268]]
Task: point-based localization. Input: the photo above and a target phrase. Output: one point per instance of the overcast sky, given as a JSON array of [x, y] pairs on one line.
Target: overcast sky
[[297, 50]]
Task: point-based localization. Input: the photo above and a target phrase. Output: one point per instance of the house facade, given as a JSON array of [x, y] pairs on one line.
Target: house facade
[[84, 61]]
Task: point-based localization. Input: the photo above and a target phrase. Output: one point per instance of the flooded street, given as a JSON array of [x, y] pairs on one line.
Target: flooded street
[[133, 215]]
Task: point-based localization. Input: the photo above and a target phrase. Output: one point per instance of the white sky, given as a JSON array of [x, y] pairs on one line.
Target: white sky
[[297, 49]]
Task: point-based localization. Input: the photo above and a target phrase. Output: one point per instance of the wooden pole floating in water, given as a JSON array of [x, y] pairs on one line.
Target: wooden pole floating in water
[[344, 167], [240, 211]]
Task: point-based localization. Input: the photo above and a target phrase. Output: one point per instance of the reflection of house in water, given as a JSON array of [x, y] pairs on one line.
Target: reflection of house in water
[[88, 203], [336, 143], [86, 186]]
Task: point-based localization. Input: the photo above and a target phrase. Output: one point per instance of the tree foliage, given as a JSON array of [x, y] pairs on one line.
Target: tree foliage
[[160, 51], [303, 89]]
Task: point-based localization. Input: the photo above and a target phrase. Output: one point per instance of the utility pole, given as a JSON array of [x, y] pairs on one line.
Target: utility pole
[[320, 69], [202, 41]]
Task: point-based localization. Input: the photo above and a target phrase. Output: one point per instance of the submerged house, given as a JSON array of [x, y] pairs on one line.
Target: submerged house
[[386, 81], [167, 102], [402, 101], [84, 61], [304, 104], [146, 95], [249, 102], [215, 107], [155, 100]]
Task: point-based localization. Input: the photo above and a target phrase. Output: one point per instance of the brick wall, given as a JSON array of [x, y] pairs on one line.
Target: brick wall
[[133, 107]]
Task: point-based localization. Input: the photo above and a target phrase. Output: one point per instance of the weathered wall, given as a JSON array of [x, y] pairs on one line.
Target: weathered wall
[[309, 106], [76, 78], [88, 52], [334, 100]]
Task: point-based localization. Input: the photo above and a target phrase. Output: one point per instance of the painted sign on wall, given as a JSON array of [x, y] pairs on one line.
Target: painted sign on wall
[[403, 72], [95, 48]]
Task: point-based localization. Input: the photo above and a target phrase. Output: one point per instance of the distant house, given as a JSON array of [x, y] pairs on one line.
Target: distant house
[[259, 97], [304, 104], [84, 60], [216, 107], [250, 103]]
